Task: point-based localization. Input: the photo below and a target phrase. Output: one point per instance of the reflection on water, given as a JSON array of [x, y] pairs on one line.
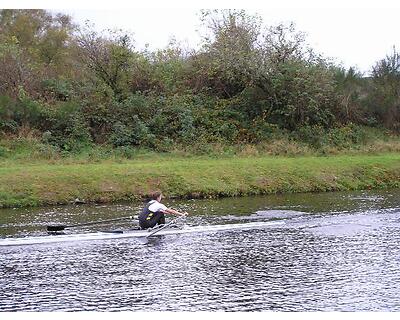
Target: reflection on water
[[335, 252]]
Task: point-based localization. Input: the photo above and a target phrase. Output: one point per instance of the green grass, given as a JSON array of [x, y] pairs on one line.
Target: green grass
[[44, 182]]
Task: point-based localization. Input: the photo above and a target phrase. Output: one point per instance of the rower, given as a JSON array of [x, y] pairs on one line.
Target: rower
[[154, 212]]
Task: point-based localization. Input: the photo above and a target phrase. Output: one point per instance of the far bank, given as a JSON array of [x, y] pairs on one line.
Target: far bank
[[197, 177]]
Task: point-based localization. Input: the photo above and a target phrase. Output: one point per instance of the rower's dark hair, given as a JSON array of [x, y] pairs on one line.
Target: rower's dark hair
[[154, 195]]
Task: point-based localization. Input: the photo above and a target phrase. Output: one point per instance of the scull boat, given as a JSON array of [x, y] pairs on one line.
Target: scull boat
[[132, 233]]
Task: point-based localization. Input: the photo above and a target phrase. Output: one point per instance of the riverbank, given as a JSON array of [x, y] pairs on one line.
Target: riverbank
[[45, 183]]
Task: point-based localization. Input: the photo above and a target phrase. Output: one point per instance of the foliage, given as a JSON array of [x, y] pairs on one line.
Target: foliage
[[135, 134], [65, 128], [248, 83], [34, 45], [350, 89], [108, 57], [385, 95]]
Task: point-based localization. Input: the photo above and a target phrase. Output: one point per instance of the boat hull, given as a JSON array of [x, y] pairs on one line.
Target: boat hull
[[131, 234]]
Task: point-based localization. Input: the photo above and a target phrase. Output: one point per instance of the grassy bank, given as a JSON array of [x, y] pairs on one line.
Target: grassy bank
[[43, 182]]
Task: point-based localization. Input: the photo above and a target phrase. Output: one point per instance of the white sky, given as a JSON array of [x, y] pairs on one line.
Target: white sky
[[354, 33]]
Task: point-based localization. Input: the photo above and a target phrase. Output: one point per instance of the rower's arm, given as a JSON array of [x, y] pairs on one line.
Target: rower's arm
[[172, 211]]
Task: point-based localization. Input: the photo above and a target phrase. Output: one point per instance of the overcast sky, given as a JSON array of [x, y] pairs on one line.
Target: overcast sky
[[354, 33]]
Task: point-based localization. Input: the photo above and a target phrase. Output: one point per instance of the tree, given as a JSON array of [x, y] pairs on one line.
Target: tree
[[110, 58], [171, 68], [33, 48], [385, 95], [228, 51], [351, 90], [41, 34]]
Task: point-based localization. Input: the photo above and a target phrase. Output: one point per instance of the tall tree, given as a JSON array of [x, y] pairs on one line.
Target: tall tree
[[110, 58], [33, 47], [385, 95]]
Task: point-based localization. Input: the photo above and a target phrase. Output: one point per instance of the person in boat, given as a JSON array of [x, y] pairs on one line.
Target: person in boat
[[154, 212]]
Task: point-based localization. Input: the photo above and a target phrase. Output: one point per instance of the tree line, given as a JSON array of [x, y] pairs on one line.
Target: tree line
[[72, 86]]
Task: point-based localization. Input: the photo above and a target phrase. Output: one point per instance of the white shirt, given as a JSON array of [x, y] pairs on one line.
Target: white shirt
[[156, 206]]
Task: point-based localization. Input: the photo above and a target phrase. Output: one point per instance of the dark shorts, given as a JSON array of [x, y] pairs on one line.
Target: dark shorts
[[155, 218]]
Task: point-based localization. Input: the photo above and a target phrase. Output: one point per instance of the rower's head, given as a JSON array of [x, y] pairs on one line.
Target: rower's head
[[157, 195]]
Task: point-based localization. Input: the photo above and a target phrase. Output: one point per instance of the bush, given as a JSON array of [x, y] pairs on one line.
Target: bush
[[65, 127], [134, 134], [345, 137], [315, 136], [23, 112], [383, 99], [45, 151], [58, 89], [4, 152]]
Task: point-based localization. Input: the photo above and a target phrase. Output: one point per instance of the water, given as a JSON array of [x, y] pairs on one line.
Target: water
[[334, 252]]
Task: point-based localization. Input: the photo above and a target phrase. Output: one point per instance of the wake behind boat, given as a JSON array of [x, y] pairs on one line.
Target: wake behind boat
[[132, 233]]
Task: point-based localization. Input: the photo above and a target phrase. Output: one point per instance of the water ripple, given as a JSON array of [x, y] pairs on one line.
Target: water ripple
[[311, 263]]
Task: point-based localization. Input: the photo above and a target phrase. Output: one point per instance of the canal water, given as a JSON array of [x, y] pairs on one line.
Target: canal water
[[333, 252]]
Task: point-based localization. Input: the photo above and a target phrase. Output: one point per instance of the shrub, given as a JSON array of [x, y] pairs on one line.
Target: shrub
[[58, 89], [22, 112], [66, 127], [4, 152], [315, 136], [134, 134]]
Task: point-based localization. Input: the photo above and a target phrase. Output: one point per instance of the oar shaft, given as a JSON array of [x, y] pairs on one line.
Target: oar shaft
[[98, 221], [62, 227]]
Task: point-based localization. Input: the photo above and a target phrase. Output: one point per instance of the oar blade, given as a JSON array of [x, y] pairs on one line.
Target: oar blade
[[55, 228]]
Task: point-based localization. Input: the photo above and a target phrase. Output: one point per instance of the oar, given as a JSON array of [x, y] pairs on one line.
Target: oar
[[62, 227]]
